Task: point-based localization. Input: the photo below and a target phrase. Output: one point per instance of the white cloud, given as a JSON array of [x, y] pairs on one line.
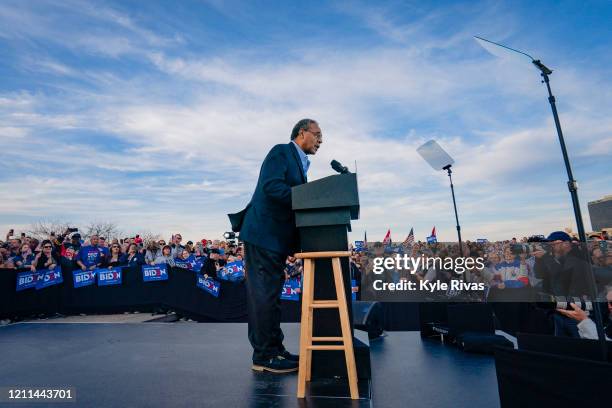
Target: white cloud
[[191, 130]]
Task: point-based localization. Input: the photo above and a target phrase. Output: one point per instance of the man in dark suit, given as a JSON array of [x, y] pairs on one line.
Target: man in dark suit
[[269, 235]]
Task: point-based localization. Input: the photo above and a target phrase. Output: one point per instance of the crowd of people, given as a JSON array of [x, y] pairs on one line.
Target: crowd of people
[[534, 262], [557, 269], [557, 265], [70, 250]]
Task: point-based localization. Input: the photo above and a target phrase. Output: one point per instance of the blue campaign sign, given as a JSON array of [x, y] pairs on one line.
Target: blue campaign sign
[[153, 273], [209, 285], [191, 263], [290, 289], [83, 278], [179, 263], [432, 239], [108, 277], [49, 277], [353, 285], [359, 244], [26, 280], [233, 271]]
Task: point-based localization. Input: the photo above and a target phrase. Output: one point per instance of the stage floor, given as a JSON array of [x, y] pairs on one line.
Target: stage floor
[[208, 365]]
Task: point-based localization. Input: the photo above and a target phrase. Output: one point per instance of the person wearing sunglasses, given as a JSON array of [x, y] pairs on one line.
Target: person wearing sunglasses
[[177, 247], [46, 259], [115, 258]]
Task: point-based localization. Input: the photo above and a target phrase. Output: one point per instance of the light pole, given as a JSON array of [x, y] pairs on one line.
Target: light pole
[[571, 183], [438, 159]]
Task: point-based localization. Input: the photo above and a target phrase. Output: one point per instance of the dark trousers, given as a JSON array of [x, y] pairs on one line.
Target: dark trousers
[[264, 281]]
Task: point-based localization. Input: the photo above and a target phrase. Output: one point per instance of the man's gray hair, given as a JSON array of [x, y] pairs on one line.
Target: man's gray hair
[[302, 124]]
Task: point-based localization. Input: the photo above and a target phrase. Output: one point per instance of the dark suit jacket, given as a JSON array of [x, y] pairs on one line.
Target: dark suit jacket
[[269, 221]]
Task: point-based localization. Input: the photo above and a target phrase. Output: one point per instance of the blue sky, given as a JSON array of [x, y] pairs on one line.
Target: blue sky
[[156, 115]]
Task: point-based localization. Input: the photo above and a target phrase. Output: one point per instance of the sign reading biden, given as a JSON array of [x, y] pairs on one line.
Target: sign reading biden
[[153, 273], [191, 263], [108, 277], [49, 277], [26, 280], [290, 289], [83, 278], [233, 272], [210, 285]]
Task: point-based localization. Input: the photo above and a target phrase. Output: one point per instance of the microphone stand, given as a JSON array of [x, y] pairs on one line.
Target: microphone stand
[[448, 169]]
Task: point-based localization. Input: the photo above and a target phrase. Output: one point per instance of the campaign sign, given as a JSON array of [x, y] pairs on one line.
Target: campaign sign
[[108, 277], [191, 264], [290, 289], [26, 280], [353, 285], [83, 278], [233, 271], [49, 277], [481, 240], [210, 285], [432, 239], [153, 273], [359, 246]]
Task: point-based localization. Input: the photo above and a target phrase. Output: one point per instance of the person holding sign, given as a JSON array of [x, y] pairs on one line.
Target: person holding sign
[[267, 227]]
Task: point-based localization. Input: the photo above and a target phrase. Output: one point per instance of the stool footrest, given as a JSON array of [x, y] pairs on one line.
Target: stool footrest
[[326, 347], [324, 304], [327, 339]]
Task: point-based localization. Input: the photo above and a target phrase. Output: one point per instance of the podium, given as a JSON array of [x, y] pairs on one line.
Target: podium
[[323, 210]]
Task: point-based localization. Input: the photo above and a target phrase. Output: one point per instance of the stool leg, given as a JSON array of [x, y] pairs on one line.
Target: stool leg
[[305, 336], [349, 353], [310, 320]]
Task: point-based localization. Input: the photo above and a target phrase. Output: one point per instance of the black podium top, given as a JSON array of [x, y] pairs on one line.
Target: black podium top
[[332, 200]]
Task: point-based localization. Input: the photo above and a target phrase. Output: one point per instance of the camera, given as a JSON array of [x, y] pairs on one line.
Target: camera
[[548, 301]]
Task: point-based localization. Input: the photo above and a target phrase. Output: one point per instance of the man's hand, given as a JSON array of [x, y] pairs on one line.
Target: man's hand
[[577, 314]]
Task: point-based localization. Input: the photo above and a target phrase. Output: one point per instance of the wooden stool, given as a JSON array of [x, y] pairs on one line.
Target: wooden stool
[[308, 305]]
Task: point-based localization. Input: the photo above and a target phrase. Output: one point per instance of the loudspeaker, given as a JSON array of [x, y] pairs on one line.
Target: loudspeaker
[[368, 316]]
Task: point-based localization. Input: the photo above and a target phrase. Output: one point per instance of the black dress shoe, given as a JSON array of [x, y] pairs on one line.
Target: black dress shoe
[[277, 365], [288, 356]]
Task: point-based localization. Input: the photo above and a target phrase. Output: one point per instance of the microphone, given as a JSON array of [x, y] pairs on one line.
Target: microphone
[[338, 167]]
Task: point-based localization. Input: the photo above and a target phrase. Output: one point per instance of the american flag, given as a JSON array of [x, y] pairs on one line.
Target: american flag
[[387, 240], [410, 238]]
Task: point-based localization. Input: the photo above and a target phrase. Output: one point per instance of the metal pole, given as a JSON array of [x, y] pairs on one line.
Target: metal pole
[[573, 189], [448, 169], [571, 184]]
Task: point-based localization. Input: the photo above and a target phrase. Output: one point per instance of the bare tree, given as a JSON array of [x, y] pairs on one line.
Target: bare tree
[[106, 229], [44, 228], [148, 236]]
